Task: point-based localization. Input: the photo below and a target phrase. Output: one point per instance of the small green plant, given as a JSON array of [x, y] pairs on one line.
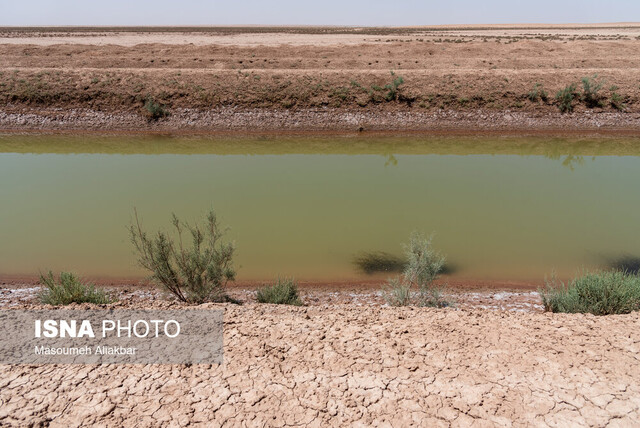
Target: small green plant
[[67, 289], [565, 98], [416, 284], [392, 88], [194, 274], [598, 293], [537, 93], [398, 293], [590, 91], [154, 109], [616, 99], [283, 292]]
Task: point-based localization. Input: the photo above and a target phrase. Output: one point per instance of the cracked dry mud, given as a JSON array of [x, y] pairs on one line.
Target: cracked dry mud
[[344, 365]]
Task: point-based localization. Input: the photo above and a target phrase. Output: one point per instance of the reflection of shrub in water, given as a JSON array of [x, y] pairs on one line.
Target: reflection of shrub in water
[[380, 262], [626, 263], [569, 161], [375, 262]]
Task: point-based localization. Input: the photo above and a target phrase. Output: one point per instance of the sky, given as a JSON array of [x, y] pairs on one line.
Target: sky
[[319, 12]]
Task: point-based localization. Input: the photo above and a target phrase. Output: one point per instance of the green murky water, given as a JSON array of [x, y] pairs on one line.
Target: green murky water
[[500, 208]]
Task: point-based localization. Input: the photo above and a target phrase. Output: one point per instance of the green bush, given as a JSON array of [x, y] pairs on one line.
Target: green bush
[[590, 91], [69, 289], [565, 98], [537, 93], [377, 93], [283, 292], [392, 88], [194, 274], [422, 268], [617, 101], [398, 293], [599, 293], [154, 109]]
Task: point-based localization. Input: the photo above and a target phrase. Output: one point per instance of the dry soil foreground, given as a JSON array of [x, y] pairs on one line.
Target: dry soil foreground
[[341, 365], [306, 78]]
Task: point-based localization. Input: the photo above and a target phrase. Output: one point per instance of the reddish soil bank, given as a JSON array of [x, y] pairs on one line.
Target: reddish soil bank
[[211, 80]]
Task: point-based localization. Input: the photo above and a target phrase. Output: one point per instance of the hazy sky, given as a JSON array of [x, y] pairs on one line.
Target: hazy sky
[[320, 12]]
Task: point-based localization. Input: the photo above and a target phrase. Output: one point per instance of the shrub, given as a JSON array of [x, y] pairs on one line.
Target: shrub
[[283, 292], [590, 89], [194, 274], [154, 109], [616, 99], [377, 93], [69, 289], [537, 93], [565, 98], [423, 267], [599, 293], [392, 88], [398, 293]]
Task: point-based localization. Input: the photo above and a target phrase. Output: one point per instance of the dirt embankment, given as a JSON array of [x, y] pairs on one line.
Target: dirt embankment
[[347, 365], [486, 78]]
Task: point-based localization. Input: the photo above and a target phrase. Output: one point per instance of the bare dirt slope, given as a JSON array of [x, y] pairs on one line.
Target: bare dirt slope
[[361, 366], [315, 78]]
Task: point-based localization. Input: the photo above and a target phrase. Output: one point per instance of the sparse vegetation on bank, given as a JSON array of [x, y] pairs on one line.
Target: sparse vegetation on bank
[[68, 288], [363, 95], [154, 110], [617, 101], [204, 91], [565, 98], [416, 284], [283, 292], [537, 93], [457, 73], [193, 274], [591, 91], [598, 293]]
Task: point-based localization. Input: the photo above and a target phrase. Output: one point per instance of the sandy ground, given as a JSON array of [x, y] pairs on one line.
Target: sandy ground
[[350, 365], [348, 360], [318, 78]]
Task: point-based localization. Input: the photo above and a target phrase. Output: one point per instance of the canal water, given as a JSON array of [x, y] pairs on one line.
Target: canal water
[[501, 208]]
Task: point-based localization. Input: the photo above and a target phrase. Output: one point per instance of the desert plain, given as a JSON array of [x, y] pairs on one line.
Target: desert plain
[[353, 361]]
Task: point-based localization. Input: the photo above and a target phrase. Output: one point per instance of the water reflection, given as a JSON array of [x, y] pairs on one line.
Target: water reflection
[[627, 263], [381, 262], [503, 207]]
